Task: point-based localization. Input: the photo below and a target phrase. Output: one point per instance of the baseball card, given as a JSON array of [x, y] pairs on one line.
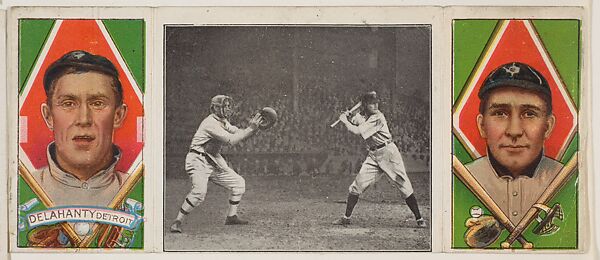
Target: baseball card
[[155, 129], [516, 133], [80, 173], [297, 136]]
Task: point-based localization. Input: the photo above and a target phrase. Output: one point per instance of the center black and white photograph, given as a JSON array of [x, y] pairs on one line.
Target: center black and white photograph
[[297, 138]]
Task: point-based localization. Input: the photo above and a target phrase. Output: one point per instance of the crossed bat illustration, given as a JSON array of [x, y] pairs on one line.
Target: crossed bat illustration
[[69, 231], [545, 227]]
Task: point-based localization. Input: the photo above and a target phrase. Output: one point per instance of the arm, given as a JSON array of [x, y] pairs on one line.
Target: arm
[[223, 135], [366, 128], [351, 127]]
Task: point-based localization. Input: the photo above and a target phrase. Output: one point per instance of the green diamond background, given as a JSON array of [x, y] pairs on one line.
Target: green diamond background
[[129, 37], [562, 41]]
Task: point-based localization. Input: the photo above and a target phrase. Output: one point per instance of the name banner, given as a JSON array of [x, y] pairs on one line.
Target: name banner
[[84, 214]]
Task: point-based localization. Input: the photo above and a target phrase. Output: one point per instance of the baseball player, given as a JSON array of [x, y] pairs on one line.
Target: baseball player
[[204, 161], [383, 158]]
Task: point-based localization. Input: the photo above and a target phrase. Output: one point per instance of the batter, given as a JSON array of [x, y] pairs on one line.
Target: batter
[[383, 158]]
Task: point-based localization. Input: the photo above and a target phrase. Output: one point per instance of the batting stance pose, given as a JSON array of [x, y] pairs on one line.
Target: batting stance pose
[[383, 157], [204, 161]]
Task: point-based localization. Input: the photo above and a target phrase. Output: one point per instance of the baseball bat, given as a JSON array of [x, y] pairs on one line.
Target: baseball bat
[[354, 108], [474, 186], [557, 183], [39, 191], [126, 188]]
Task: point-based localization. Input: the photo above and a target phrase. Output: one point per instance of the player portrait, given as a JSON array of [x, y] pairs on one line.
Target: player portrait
[[515, 130], [80, 161], [253, 159]]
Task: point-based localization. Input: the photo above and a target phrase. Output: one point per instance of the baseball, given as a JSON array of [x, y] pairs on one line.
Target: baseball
[[82, 228], [476, 211]]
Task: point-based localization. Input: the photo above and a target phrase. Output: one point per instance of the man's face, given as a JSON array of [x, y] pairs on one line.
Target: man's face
[[515, 124], [372, 108], [83, 113], [227, 109]]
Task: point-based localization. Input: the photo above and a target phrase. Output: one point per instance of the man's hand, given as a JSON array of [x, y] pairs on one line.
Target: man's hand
[[344, 117], [255, 121]]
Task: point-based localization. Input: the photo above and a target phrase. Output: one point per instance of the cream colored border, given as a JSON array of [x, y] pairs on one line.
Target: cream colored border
[[3, 143], [305, 16], [586, 240], [442, 89], [12, 117]]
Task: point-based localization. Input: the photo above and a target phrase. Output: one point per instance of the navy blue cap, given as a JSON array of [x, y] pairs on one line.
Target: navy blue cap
[[516, 74], [81, 61]]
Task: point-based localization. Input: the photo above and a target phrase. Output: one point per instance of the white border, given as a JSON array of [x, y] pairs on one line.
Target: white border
[[443, 87], [586, 238], [3, 142], [12, 117]]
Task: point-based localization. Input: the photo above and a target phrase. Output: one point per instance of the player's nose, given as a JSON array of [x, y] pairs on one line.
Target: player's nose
[[515, 127], [84, 116]]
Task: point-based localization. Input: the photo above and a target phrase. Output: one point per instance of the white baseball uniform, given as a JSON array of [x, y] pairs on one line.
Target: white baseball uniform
[[383, 157], [204, 162]]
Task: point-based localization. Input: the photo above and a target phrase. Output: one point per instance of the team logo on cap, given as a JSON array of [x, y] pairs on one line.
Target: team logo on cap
[[513, 69], [78, 55]]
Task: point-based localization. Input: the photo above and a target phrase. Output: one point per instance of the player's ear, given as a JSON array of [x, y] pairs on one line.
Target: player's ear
[[120, 114], [550, 122], [47, 115], [480, 126]]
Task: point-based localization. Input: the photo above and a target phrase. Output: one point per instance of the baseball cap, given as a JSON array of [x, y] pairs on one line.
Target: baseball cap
[[80, 61], [516, 74], [369, 98]]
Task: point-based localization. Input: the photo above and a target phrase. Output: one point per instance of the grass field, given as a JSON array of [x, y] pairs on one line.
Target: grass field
[[295, 214]]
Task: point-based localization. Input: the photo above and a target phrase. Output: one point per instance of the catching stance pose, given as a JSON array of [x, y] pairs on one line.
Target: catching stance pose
[[383, 158], [204, 161]]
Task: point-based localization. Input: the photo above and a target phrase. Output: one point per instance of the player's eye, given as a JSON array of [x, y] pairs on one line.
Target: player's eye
[[499, 113], [98, 104], [68, 104], [529, 114]]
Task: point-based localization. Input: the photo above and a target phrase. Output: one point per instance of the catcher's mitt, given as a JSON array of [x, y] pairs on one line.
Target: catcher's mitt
[[269, 118], [47, 237], [482, 231]]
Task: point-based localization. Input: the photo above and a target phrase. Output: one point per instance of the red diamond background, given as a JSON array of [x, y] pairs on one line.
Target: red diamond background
[[516, 45], [79, 35]]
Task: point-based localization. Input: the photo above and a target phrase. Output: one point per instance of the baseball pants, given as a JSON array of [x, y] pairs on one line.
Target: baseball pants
[[388, 161], [203, 168]]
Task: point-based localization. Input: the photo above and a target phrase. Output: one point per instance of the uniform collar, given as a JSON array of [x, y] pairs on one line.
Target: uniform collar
[[503, 172], [99, 180]]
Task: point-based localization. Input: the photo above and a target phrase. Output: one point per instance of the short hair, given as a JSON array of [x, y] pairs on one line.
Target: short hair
[[518, 75], [79, 61]]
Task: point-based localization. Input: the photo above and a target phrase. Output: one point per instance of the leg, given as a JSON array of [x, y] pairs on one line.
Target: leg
[[199, 173], [369, 173], [393, 166], [232, 181]]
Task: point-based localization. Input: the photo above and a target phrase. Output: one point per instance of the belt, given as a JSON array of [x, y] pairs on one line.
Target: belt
[[196, 152], [377, 147], [208, 159]]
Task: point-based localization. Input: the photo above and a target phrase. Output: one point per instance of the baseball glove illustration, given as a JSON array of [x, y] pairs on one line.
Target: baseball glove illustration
[[482, 231], [47, 237], [269, 116]]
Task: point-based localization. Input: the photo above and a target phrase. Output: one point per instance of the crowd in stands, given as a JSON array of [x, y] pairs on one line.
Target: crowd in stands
[[302, 141]]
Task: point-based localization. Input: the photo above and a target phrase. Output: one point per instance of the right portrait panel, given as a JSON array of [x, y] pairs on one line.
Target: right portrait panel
[[516, 86]]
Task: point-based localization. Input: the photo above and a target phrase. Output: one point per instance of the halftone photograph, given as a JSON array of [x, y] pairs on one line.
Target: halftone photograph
[[297, 138]]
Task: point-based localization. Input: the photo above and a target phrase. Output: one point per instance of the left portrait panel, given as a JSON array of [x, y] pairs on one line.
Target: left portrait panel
[[80, 177]]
